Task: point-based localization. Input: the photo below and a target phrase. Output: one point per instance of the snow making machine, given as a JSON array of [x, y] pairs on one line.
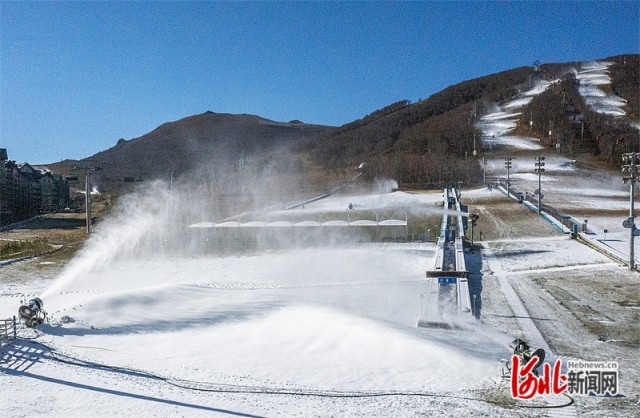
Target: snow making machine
[[526, 353], [32, 313]]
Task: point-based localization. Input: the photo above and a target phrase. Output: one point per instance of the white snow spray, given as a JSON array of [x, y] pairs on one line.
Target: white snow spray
[[294, 313], [138, 217], [385, 185]]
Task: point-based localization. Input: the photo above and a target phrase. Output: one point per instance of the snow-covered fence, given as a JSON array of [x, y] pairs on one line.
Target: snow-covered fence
[[7, 330]]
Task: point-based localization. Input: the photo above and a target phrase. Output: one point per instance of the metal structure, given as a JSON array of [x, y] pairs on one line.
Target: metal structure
[[526, 354], [303, 224], [8, 331], [448, 301], [539, 169], [90, 165], [474, 221], [302, 230], [630, 170], [32, 313], [507, 165]]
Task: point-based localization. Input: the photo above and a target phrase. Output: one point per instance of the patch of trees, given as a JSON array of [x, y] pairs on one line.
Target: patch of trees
[[424, 142], [625, 81], [555, 112], [386, 110], [556, 71], [561, 116]]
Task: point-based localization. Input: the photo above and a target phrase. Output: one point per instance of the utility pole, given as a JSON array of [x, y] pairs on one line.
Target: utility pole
[[87, 200], [484, 171], [539, 164], [630, 167], [507, 165], [474, 221], [475, 152], [88, 167]]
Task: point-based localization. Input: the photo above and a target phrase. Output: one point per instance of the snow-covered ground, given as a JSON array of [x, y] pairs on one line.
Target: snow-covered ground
[[321, 331], [595, 195], [565, 298], [312, 322], [416, 202], [534, 272], [592, 76], [497, 125]]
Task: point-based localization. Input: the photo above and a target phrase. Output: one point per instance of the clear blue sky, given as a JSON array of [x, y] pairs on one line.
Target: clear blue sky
[[76, 76]]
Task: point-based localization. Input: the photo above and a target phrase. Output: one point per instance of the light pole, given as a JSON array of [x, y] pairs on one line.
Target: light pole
[[539, 164], [91, 166], [630, 168], [474, 221], [87, 200], [507, 165], [484, 172]]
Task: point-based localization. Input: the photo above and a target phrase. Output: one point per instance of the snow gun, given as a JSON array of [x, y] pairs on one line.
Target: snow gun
[[32, 313], [526, 353]]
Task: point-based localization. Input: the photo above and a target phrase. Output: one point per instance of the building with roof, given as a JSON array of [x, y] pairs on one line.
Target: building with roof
[[27, 191]]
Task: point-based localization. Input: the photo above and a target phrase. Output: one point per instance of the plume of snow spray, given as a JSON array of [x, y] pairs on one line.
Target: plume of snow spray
[[138, 217], [385, 185]]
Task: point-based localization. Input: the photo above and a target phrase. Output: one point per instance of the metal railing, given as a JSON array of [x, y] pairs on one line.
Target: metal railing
[[559, 216], [8, 330]]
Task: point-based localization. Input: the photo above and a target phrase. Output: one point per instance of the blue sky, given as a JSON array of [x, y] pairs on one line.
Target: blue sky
[[77, 76]]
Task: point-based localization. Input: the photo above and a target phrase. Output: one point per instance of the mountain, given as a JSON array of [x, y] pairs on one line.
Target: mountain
[[424, 144], [432, 142], [213, 140]]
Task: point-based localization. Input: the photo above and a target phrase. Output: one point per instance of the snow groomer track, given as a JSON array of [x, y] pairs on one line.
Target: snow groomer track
[[448, 303]]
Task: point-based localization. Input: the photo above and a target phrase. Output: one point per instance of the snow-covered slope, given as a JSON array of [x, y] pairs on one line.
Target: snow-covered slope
[[497, 125], [592, 76]]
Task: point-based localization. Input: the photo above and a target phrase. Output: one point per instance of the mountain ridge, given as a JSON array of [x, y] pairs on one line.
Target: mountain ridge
[[426, 143]]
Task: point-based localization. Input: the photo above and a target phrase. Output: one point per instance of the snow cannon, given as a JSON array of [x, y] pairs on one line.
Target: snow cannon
[[526, 353], [32, 313]]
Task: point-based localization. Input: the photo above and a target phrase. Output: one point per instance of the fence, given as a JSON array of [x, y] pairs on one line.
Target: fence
[[559, 216], [7, 330]]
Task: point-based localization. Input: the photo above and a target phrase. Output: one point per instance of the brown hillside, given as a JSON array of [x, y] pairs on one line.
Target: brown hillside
[[423, 144], [212, 140]]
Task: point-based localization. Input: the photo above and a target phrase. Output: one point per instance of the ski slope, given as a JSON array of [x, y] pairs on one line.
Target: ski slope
[[594, 78], [285, 328], [497, 125]]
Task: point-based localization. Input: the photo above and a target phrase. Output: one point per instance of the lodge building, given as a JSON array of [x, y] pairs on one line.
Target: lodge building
[[26, 191]]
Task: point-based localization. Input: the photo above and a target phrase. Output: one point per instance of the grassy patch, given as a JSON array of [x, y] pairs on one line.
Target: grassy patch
[[500, 396], [16, 249]]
